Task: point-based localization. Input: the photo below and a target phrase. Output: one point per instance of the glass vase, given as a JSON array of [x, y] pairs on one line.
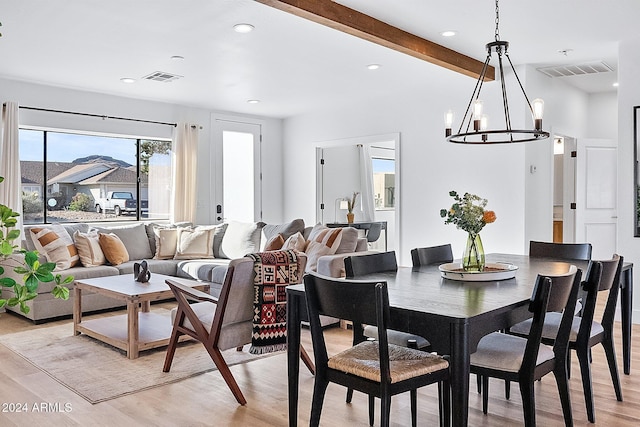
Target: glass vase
[[473, 257]]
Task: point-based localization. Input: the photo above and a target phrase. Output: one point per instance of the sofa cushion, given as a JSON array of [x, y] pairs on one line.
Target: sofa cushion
[[56, 244], [287, 229], [322, 242], [240, 239], [89, 250], [134, 238], [199, 269], [114, 250], [193, 243], [157, 266], [79, 273]]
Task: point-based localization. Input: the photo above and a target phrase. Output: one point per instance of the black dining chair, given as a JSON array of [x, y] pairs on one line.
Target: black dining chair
[[525, 360], [587, 333], [356, 266], [567, 251], [431, 255], [377, 368], [374, 231]]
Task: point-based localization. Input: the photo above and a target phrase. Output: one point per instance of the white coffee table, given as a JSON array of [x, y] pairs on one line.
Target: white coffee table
[[138, 329]]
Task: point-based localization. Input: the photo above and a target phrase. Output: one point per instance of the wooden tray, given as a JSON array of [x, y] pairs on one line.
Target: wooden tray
[[492, 271]]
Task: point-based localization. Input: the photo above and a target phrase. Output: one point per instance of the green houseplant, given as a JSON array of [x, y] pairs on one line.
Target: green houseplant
[[25, 265]]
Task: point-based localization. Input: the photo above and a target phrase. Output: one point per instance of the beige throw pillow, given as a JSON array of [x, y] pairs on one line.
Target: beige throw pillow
[[55, 243], [166, 242], [295, 242], [194, 243], [88, 245], [113, 248], [324, 242]]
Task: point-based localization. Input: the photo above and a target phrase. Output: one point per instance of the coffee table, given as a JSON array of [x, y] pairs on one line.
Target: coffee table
[[138, 329]]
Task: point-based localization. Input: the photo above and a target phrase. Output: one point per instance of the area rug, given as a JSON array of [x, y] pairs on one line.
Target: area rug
[[99, 372]]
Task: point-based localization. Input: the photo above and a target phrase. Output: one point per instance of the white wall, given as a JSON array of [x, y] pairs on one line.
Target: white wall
[[628, 97], [41, 96]]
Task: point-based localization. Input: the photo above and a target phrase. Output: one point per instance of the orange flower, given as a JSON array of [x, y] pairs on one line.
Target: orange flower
[[488, 217]]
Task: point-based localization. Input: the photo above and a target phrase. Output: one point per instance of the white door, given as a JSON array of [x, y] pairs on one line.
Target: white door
[[237, 171], [596, 195]]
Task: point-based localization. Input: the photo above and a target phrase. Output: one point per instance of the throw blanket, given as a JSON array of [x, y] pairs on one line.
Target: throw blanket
[[275, 270]]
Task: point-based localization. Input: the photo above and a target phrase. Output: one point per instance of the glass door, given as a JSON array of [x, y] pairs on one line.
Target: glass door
[[237, 174]]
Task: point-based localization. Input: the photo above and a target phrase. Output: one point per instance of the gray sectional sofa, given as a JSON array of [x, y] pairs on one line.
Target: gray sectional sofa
[[230, 240]]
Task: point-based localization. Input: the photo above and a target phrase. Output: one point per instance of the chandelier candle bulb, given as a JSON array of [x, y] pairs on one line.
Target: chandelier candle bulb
[[477, 114], [538, 111], [484, 122], [448, 122]]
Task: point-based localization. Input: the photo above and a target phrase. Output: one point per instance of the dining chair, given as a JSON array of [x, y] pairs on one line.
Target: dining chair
[[220, 323], [587, 333], [431, 255], [567, 251], [525, 360], [377, 368]]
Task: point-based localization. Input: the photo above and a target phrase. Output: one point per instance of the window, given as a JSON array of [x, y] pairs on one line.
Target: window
[[70, 177], [384, 183]]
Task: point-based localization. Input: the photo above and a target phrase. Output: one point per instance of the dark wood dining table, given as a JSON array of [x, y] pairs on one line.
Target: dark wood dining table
[[453, 315]]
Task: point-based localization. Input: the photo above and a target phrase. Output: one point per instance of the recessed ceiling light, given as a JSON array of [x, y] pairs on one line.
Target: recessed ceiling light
[[616, 84], [243, 28], [448, 33], [177, 58], [127, 80], [373, 66], [253, 101]]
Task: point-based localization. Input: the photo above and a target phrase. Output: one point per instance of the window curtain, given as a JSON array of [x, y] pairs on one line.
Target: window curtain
[[11, 188], [185, 158], [366, 183]]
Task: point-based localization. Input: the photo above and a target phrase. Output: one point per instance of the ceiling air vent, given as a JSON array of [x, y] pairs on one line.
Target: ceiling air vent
[[162, 76], [576, 69]]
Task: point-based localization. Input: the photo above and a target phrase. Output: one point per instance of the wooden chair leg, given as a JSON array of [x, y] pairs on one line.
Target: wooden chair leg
[[319, 389], [222, 366], [414, 407], [562, 380], [173, 343], [349, 395], [385, 410], [485, 394], [372, 408], [444, 394], [610, 352], [528, 403], [479, 382], [507, 389], [585, 372], [307, 360]]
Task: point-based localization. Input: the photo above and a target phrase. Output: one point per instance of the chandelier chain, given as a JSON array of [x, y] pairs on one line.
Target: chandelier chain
[[497, 21]]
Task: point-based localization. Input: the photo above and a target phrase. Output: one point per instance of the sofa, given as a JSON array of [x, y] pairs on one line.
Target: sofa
[[181, 250]]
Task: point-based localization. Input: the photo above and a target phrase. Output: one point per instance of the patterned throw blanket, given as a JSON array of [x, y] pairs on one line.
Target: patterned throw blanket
[[275, 270]]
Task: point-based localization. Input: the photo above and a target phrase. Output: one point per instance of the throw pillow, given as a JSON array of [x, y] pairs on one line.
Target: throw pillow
[[295, 242], [134, 238], [194, 243], [240, 239], [89, 250], [324, 242], [274, 243], [55, 243], [166, 241], [114, 250], [287, 229], [348, 242]]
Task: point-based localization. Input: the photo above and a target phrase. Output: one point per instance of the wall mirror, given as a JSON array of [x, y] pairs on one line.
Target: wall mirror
[[636, 149]]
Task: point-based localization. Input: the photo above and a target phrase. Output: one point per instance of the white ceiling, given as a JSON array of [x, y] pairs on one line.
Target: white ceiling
[[290, 64]]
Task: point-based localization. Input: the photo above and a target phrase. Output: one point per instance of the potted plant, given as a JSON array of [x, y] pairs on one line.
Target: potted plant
[[23, 265], [351, 204]]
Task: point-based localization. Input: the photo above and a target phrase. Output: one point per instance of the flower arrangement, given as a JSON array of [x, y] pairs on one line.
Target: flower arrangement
[[351, 203], [468, 213]]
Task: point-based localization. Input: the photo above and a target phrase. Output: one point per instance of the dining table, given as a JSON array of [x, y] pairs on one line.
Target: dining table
[[453, 314]]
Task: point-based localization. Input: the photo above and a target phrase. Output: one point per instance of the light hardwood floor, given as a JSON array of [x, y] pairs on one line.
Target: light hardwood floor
[[206, 401]]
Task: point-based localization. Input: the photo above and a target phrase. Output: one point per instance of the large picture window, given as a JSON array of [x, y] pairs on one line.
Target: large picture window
[[69, 177]]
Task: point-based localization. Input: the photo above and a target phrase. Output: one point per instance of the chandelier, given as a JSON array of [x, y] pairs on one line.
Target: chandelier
[[474, 126]]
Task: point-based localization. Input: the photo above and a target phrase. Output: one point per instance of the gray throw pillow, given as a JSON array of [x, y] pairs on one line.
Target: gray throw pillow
[[287, 230], [135, 239]]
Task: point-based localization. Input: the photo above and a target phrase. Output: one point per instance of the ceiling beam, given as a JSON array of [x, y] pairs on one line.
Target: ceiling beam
[[339, 17]]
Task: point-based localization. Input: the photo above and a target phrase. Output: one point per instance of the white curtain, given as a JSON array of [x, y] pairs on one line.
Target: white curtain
[[11, 188], [185, 158], [366, 183]]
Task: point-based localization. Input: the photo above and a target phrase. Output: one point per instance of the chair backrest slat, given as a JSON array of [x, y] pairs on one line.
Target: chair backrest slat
[[360, 265], [431, 255], [575, 251]]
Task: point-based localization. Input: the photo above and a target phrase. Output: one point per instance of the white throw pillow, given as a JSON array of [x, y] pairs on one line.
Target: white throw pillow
[[324, 242], [295, 242], [240, 239], [194, 243], [89, 249], [55, 243]]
